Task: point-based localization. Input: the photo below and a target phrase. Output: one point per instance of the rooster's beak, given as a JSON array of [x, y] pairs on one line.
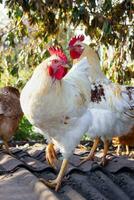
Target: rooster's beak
[[67, 66], [68, 48]]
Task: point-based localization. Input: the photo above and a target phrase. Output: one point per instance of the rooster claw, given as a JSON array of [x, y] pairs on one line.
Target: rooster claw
[[53, 184], [85, 159], [56, 183], [104, 161]]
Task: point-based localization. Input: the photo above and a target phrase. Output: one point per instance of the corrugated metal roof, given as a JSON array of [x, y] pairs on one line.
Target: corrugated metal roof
[[20, 173]]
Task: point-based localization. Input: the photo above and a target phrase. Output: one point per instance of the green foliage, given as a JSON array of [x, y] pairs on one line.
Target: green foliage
[[108, 23], [17, 64], [26, 132], [85, 138]]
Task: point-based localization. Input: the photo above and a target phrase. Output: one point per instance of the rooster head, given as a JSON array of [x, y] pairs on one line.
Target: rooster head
[[76, 46], [58, 68]]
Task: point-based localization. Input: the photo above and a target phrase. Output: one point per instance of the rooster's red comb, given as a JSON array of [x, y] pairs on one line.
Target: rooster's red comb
[[57, 51], [75, 39]]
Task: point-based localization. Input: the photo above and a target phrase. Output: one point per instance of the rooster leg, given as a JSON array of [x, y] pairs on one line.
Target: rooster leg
[[7, 147], [56, 183], [106, 147], [51, 155], [127, 150], [118, 149], [91, 154]]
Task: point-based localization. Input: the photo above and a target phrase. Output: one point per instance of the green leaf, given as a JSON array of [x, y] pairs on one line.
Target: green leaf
[[14, 71], [107, 5], [106, 27], [18, 13]]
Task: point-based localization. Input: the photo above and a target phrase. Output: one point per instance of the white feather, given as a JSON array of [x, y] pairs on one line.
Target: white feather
[[109, 116], [107, 124]]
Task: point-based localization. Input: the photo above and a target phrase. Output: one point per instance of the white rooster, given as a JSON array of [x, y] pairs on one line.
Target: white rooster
[[111, 106], [56, 103]]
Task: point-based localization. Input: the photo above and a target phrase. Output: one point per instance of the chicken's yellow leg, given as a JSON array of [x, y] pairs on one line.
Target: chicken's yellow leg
[[56, 183], [51, 155], [7, 147], [106, 147], [91, 154], [127, 150], [118, 149]]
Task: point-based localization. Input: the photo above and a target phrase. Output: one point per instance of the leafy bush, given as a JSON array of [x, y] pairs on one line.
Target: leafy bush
[[26, 132]]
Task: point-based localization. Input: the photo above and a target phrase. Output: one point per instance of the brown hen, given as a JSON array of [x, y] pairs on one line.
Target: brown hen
[[10, 113], [127, 140]]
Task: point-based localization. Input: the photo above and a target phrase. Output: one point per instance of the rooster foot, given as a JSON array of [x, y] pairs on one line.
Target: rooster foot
[[92, 152], [51, 155], [7, 150], [86, 158], [104, 161], [54, 184], [127, 150]]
